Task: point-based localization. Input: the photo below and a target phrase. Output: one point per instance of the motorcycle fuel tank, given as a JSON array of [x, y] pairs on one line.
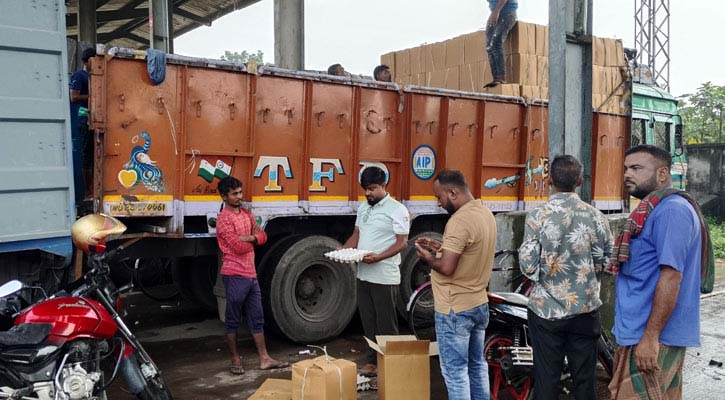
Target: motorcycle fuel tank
[[71, 318]]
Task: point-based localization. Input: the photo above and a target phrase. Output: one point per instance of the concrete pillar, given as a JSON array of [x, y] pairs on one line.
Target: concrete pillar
[[570, 83], [87, 21], [289, 34], [160, 12]]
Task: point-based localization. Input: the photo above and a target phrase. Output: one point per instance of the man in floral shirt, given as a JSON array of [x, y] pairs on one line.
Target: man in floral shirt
[[566, 244]]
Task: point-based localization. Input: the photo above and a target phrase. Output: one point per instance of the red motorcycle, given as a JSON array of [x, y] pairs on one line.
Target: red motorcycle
[[73, 345]]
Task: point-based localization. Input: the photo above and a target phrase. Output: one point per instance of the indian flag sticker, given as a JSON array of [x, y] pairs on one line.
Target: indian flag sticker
[[222, 169], [206, 171], [423, 162]]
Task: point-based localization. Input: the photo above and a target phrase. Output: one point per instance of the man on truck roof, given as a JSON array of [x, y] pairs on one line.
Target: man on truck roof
[[500, 22], [381, 227], [237, 233]]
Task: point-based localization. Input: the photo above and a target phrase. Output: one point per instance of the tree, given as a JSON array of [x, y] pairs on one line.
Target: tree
[[702, 114], [244, 56]]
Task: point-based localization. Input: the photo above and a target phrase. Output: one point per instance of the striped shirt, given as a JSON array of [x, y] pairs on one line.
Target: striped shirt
[[237, 256]]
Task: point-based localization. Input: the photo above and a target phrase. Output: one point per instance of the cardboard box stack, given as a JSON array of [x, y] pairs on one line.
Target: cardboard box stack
[[462, 63]]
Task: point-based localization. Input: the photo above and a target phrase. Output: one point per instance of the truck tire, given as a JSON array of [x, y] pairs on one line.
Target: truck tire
[[196, 277], [307, 297], [413, 272]]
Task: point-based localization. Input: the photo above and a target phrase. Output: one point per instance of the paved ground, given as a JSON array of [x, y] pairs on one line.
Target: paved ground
[[188, 347]]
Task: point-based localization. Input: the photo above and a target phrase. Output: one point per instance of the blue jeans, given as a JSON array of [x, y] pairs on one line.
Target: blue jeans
[[460, 342], [495, 36]]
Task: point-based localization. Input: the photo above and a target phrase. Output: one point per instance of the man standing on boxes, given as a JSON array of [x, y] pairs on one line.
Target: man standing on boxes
[[461, 267], [500, 22], [382, 227], [567, 243], [237, 233]]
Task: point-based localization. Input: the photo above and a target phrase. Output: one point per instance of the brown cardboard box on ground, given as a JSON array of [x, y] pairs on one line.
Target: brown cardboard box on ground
[[403, 367], [521, 39], [416, 62], [521, 69], [507, 89], [542, 40], [438, 51], [402, 63], [324, 378], [474, 47], [542, 71], [599, 54], [274, 389], [389, 60], [454, 52], [470, 80]]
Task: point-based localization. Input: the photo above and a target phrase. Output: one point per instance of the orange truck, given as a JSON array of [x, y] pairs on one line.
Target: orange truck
[[298, 142]]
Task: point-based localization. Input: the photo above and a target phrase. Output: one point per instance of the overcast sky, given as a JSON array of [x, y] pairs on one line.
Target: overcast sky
[[356, 32]]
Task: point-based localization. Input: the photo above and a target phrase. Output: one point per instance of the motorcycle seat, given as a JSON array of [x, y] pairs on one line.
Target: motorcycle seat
[[514, 298], [25, 334]]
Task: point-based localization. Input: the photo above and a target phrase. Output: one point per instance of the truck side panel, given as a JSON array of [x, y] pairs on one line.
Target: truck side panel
[[36, 183], [299, 143]]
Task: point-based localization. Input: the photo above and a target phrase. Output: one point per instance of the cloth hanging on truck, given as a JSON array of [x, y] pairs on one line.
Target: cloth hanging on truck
[[156, 65]]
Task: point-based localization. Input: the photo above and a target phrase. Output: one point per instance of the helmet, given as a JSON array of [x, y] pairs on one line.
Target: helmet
[[91, 232]]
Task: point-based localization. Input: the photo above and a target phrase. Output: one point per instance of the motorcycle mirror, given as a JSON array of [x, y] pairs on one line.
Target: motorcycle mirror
[[10, 287]]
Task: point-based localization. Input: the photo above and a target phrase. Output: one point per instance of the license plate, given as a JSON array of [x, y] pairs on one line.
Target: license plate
[[138, 208]]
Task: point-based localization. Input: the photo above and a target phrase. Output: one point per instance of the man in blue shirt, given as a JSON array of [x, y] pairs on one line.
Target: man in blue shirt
[[657, 309], [500, 22], [82, 138]]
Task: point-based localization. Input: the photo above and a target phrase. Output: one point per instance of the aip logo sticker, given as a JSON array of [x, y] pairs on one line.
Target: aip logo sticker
[[423, 162]]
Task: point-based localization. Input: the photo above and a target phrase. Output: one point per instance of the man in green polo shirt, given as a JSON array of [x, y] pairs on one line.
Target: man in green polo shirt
[[381, 227]]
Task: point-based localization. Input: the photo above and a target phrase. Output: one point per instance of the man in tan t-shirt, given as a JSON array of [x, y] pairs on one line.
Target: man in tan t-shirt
[[461, 267]]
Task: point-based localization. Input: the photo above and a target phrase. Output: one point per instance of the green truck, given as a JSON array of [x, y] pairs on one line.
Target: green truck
[[656, 120]]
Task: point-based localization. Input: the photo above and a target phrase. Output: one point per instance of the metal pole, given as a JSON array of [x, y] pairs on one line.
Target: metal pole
[[719, 136], [159, 25], [87, 21], [289, 34]]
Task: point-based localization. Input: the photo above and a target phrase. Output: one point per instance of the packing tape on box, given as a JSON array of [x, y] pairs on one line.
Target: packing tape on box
[[327, 360]]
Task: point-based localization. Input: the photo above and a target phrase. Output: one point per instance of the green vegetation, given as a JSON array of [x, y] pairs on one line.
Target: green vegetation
[[717, 234], [702, 113]]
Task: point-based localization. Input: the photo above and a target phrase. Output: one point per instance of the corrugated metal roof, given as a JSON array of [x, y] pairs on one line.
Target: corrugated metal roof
[[125, 23]]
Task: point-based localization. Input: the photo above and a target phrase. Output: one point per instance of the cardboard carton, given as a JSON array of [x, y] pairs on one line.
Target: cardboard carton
[[544, 93], [453, 80], [324, 378], [530, 92], [484, 73], [599, 56], [426, 58], [402, 63], [416, 61], [454, 52], [403, 80], [619, 50], [597, 79], [507, 89], [469, 78], [542, 71], [474, 47], [274, 389], [521, 69], [610, 51], [403, 367], [521, 39], [438, 51], [389, 60], [542, 40]]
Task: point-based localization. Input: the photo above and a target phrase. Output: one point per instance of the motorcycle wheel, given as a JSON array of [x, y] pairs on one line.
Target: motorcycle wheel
[[519, 388], [605, 354], [155, 389]]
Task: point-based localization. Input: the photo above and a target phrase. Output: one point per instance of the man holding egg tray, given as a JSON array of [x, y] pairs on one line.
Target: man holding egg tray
[[381, 227]]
